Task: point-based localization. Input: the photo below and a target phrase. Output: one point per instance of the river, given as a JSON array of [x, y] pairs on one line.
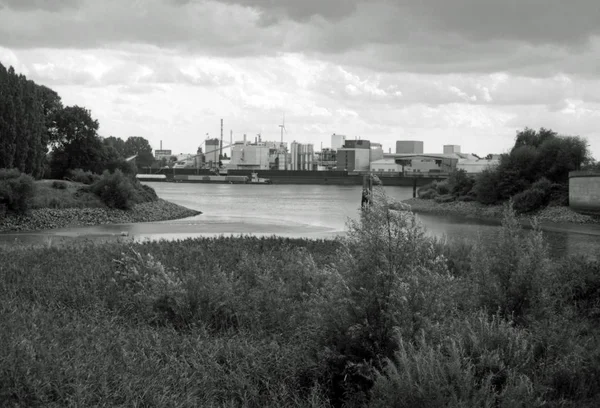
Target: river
[[309, 211]]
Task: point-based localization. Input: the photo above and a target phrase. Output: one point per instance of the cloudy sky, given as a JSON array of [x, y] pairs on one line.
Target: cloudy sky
[[467, 72]]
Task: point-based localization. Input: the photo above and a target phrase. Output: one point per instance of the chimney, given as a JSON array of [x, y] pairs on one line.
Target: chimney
[[161, 145]]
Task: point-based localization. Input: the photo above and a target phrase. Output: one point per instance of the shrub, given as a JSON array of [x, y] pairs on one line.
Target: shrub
[[484, 364], [559, 195], [393, 282], [85, 177], [466, 198], [427, 194], [59, 185], [511, 273], [443, 188], [115, 190], [460, 182], [118, 190], [486, 187], [16, 191], [529, 200], [446, 198]]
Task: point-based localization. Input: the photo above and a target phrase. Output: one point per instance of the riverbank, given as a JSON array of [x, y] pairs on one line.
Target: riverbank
[[486, 212], [50, 218]]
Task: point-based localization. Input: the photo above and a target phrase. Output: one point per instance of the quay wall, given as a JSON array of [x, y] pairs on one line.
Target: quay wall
[[584, 191], [339, 178]]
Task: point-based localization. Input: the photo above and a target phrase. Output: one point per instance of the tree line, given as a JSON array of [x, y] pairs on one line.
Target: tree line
[[42, 137]]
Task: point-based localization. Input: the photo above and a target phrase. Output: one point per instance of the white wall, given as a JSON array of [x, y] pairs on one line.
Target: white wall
[[386, 166]]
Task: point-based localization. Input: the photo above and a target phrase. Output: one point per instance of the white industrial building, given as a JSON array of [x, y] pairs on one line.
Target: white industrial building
[[385, 166], [250, 156], [302, 156], [337, 141]]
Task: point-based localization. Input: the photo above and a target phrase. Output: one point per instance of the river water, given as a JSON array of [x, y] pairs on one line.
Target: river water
[[293, 211]]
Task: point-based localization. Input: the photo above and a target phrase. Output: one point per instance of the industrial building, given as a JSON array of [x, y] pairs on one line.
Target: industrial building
[[450, 149], [409, 147], [337, 141], [247, 156], [326, 159], [302, 156], [355, 155], [212, 150], [376, 152], [160, 154]]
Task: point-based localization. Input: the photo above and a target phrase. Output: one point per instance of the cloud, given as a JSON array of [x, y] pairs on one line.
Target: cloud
[[52, 6], [528, 37]]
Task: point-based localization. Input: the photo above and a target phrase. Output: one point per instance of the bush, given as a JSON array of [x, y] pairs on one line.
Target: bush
[[460, 182], [486, 187], [115, 190], [59, 185], [446, 198], [466, 198], [16, 191], [85, 177], [484, 364], [443, 188], [559, 195], [427, 194], [118, 190], [529, 200]]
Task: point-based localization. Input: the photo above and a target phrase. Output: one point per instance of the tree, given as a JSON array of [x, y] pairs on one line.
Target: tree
[[117, 144], [140, 146], [78, 144]]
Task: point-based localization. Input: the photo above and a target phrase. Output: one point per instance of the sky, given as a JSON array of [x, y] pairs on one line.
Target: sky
[[463, 72]]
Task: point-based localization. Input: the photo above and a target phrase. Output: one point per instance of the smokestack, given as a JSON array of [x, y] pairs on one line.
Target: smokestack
[[221, 146], [244, 138], [161, 145], [231, 137]]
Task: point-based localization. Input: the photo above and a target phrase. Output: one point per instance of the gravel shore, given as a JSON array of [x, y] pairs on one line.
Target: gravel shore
[[480, 211], [48, 218]]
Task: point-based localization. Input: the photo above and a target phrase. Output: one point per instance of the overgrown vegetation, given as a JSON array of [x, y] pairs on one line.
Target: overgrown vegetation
[[534, 174], [20, 193], [385, 316], [16, 192], [118, 190]]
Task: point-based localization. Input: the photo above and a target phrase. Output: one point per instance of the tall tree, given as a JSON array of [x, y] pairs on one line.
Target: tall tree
[[78, 144], [117, 144], [140, 146]]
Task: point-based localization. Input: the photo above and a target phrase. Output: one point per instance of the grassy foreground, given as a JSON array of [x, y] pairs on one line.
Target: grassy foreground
[[385, 317]]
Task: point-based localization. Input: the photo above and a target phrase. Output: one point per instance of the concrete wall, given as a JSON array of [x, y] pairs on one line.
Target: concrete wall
[[584, 191]]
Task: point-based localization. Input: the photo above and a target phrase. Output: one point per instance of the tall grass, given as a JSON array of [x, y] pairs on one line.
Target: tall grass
[[385, 316]]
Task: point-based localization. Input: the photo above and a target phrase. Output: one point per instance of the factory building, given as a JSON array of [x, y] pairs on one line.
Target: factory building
[[409, 147], [355, 155], [301, 156], [337, 141], [450, 149], [376, 152], [212, 150], [246, 156]]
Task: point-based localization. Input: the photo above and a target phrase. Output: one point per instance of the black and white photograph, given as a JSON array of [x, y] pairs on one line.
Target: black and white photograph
[[300, 203]]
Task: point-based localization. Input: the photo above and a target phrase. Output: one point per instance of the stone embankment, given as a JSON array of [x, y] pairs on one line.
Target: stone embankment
[[480, 211], [49, 218]]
